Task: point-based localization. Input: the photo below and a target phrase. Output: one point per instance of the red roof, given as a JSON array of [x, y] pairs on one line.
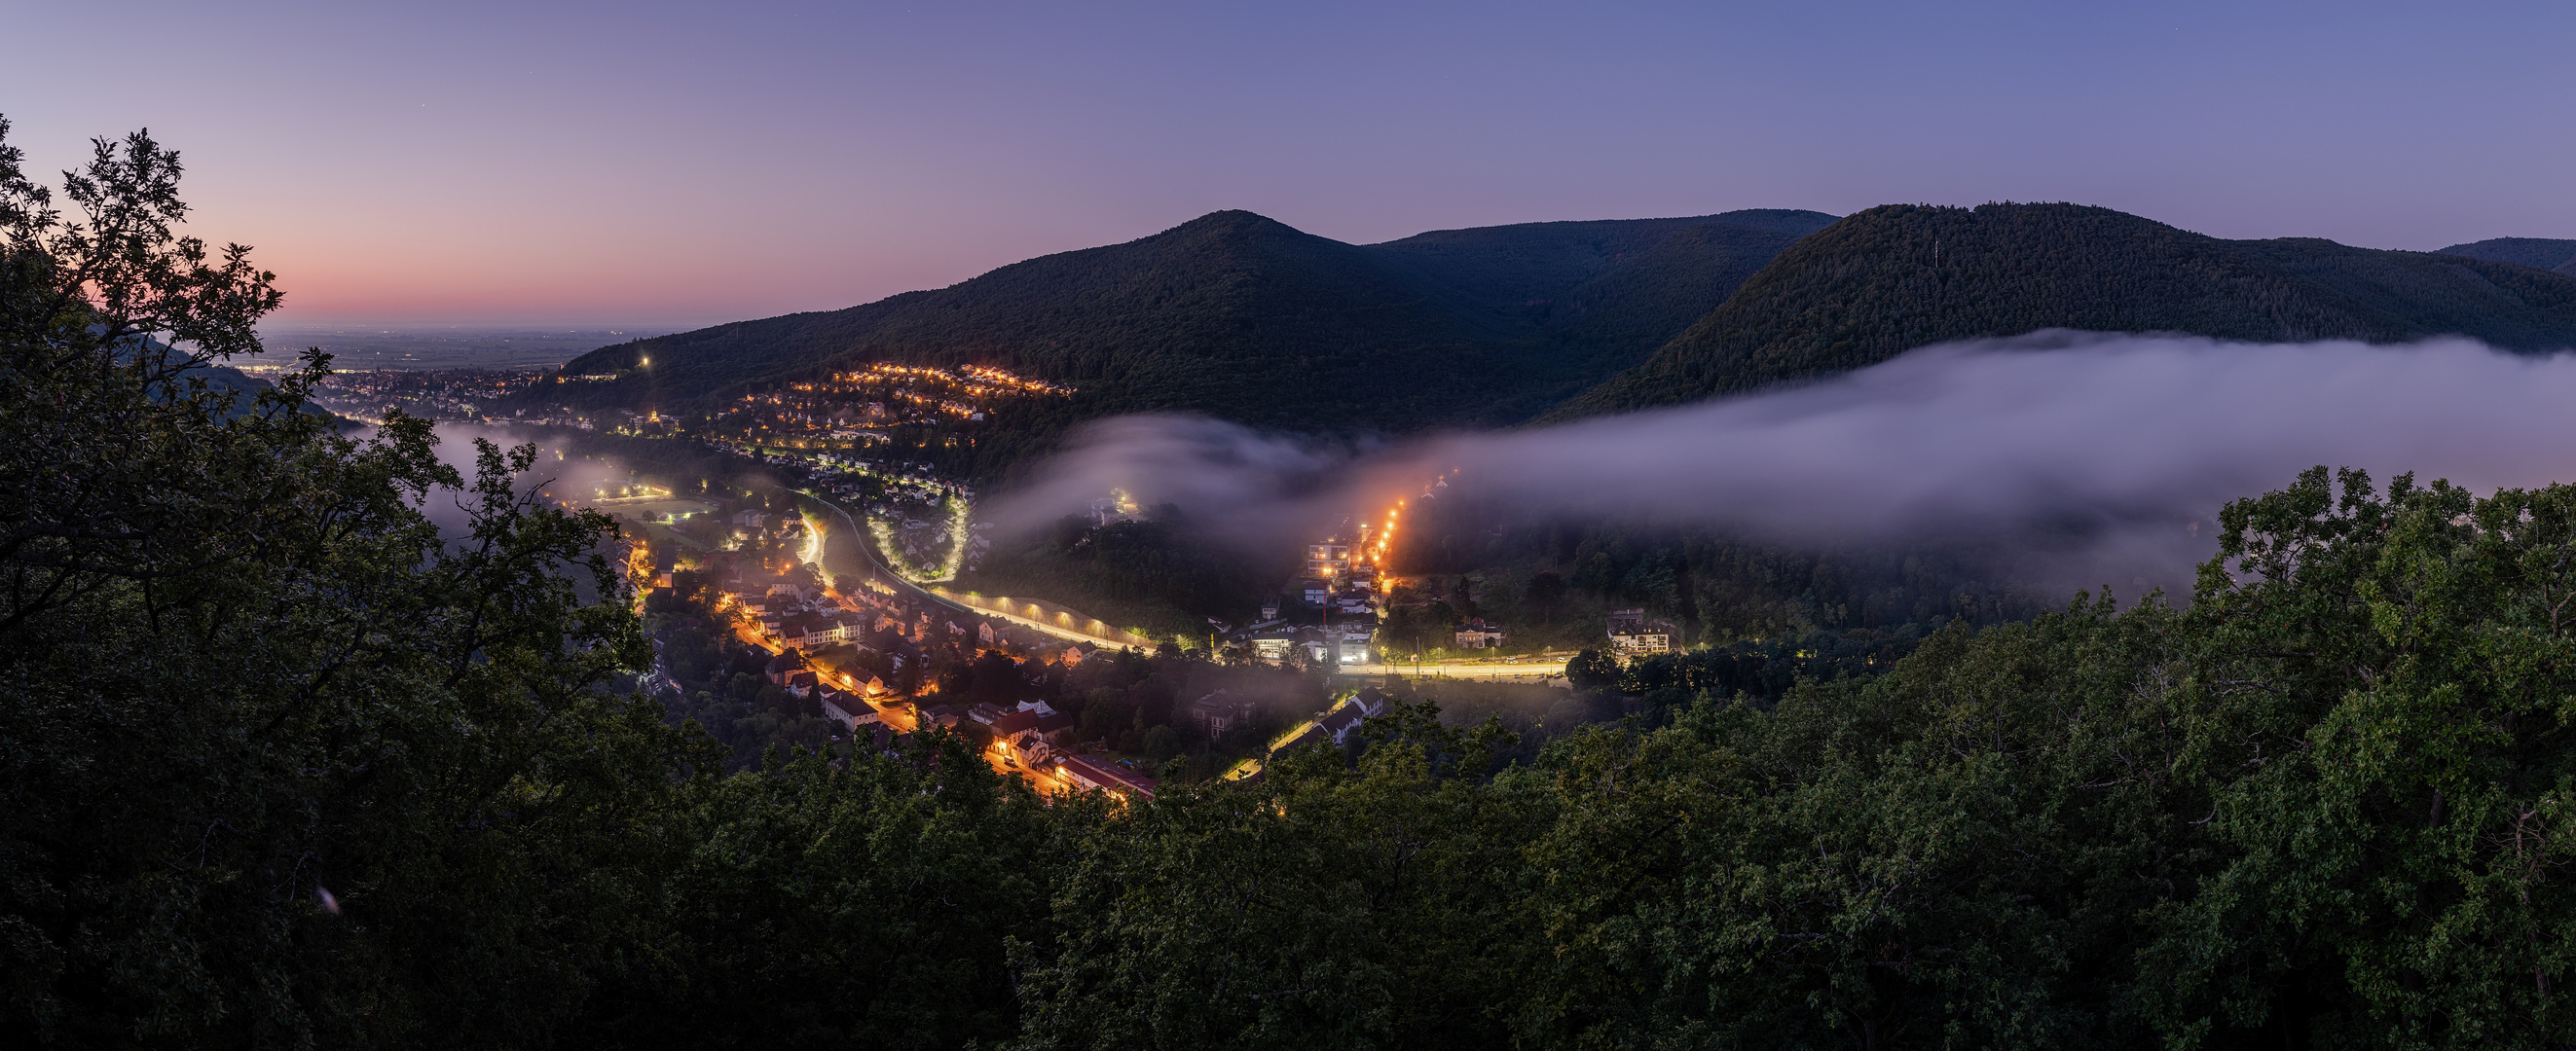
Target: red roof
[[1109, 776]]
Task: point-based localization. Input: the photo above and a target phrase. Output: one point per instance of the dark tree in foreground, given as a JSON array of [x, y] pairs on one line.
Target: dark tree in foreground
[[286, 763]]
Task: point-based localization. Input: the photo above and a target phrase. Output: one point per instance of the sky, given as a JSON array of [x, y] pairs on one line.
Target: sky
[[673, 165]]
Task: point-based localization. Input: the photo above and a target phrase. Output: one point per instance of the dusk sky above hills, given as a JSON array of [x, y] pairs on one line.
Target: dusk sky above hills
[[688, 164]]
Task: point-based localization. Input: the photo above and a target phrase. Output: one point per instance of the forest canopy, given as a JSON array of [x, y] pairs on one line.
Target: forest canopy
[[289, 763]]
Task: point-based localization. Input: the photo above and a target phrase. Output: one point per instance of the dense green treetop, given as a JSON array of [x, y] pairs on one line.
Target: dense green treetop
[[1894, 278]]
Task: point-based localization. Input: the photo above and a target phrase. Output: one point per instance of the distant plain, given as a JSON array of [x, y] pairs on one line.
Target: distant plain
[[417, 347]]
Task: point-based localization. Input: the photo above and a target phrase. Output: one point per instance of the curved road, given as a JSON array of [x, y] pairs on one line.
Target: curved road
[[876, 566]]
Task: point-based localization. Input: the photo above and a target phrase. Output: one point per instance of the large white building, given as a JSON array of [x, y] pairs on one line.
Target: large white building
[[1632, 634]]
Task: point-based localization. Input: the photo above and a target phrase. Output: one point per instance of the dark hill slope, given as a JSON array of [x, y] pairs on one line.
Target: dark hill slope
[[2406, 295], [1525, 267], [1902, 276], [1231, 310], [1245, 318], [2539, 252], [1625, 313]]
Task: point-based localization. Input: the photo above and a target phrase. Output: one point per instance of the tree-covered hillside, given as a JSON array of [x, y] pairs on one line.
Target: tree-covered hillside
[[2541, 252], [1898, 277], [1242, 317], [1529, 267]]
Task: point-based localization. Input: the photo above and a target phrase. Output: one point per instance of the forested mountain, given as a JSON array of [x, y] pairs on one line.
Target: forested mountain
[[1898, 277], [2544, 253], [1239, 316], [1245, 318], [1528, 266]]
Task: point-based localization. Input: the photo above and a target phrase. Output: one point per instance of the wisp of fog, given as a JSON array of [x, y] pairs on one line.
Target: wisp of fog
[[2102, 458]]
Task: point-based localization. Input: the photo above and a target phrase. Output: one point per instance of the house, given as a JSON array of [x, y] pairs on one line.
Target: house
[[1041, 720], [1085, 772], [1219, 712], [1315, 592], [1329, 558], [802, 683], [986, 712], [938, 715], [848, 708], [1478, 635], [1632, 634], [1353, 647], [805, 630], [1336, 725], [1272, 644], [811, 630], [1005, 726], [780, 668]]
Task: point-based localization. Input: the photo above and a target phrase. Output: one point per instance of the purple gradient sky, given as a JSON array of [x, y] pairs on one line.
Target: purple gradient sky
[[639, 163]]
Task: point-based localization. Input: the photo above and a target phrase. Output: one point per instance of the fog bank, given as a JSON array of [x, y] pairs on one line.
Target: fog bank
[[2102, 458]]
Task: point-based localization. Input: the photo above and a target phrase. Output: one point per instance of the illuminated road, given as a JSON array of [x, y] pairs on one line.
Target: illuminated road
[[896, 716], [1067, 634], [878, 570], [876, 566], [1527, 671]]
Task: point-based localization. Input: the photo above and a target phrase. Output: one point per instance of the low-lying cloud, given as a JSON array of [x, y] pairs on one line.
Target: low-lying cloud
[[2105, 456]]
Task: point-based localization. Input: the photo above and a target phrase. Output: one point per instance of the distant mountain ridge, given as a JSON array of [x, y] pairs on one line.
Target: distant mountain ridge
[[1243, 317], [2537, 252], [1893, 278]]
